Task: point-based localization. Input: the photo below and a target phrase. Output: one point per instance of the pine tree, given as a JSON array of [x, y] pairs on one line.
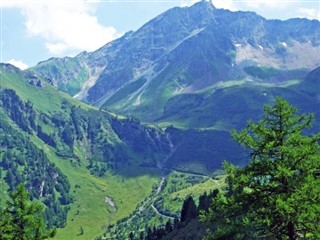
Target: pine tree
[[189, 210], [22, 219], [277, 195]]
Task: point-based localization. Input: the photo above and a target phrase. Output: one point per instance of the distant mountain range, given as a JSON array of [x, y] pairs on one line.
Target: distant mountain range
[[174, 62]]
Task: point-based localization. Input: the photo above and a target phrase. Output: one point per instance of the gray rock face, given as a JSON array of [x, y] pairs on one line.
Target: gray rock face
[[182, 51]]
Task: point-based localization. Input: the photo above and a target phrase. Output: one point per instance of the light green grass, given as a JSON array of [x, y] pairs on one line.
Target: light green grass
[[178, 188], [199, 189], [73, 69], [47, 99], [89, 210]]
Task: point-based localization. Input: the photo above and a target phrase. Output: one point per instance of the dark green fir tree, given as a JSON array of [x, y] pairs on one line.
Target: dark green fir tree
[[22, 219]]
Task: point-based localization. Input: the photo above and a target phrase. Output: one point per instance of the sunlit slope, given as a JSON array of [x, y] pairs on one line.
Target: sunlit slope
[[96, 200]]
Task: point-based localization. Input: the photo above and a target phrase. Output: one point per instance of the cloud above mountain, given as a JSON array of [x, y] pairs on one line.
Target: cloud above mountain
[[278, 4], [18, 63], [284, 8], [225, 4], [310, 13], [65, 26]]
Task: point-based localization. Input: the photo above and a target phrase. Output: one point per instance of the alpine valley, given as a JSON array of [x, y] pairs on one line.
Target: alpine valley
[[113, 141]]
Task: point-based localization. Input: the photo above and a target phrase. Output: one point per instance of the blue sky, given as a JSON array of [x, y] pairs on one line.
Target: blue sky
[[35, 30]]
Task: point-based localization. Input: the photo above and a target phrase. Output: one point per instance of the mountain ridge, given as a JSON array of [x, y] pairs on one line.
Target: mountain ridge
[[182, 51]]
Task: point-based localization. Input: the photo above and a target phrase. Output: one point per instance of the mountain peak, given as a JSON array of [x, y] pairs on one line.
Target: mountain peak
[[203, 7], [204, 4]]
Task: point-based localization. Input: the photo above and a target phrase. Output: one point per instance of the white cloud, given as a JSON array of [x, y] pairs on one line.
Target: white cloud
[[18, 63], [64, 25], [271, 4], [225, 4], [310, 13]]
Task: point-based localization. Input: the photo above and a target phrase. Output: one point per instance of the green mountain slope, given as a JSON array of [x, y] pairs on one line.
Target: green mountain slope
[[111, 141], [311, 83], [71, 157], [60, 72], [23, 161], [229, 105]]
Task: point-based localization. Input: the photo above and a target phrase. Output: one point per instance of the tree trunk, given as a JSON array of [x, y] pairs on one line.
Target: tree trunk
[[291, 231]]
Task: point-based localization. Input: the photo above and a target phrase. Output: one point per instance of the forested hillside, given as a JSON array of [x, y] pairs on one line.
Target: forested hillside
[[51, 145]]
